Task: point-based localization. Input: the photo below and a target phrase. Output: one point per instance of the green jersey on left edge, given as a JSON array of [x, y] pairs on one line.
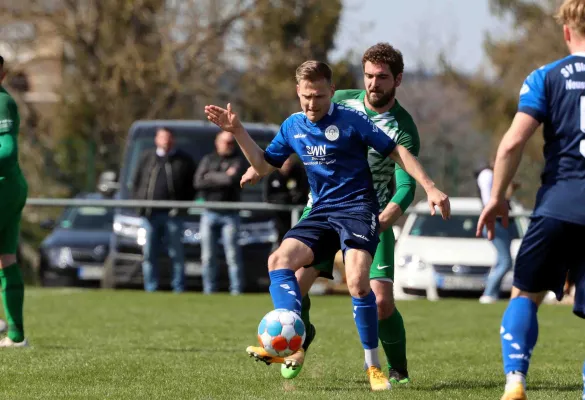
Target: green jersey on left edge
[[399, 125]]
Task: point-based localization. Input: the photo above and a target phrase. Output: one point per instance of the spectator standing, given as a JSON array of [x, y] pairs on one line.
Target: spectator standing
[[217, 179], [164, 173]]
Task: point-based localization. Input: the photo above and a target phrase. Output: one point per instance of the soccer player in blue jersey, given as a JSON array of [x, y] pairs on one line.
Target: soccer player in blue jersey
[[332, 141], [554, 96]]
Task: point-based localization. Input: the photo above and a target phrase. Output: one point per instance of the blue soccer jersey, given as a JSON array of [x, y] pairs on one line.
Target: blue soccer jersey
[[555, 96], [334, 151]]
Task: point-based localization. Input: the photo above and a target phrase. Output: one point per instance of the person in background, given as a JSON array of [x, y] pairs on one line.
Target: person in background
[[164, 173], [217, 179]]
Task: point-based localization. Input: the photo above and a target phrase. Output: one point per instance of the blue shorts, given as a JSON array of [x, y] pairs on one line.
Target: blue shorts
[[326, 232], [551, 251]]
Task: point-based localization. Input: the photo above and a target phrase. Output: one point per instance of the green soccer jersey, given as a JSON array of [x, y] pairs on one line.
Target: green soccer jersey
[[9, 126], [399, 125]]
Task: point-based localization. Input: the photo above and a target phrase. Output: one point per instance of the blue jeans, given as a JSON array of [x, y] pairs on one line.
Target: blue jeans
[[228, 225], [502, 244], [160, 224]]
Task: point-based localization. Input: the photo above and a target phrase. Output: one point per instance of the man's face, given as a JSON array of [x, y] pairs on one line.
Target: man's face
[[315, 98], [225, 144], [164, 140], [380, 84]]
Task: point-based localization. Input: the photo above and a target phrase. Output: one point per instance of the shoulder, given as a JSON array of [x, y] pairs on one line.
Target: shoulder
[[485, 175], [537, 77], [405, 121], [181, 154], [6, 100], [350, 94], [293, 119]]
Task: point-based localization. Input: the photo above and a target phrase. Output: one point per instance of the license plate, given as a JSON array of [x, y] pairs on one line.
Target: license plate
[[460, 282], [90, 273], [193, 269]]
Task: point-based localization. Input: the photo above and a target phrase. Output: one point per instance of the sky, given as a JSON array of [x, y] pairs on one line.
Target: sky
[[420, 29]]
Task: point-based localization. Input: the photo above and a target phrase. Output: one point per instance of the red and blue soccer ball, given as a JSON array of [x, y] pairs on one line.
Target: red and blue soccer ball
[[281, 332]]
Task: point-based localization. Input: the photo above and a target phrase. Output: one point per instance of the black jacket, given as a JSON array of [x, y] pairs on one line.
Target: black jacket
[[180, 169], [292, 189], [212, 181]]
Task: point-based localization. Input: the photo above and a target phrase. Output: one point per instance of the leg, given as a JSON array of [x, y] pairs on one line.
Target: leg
[[209, 238], [12, 283], [391, 325], [174, 230], [503, 264], [284, 288], [150, 253], [233, 252], [291, 255], [540, 266], [357, 266]]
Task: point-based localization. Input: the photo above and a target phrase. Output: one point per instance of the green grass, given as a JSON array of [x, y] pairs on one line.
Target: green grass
[[132, 345]]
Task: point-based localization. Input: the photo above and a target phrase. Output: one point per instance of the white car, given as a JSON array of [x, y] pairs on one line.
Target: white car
[[434, 255]]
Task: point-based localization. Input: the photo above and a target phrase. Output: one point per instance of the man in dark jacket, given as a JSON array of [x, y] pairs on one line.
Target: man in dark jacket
[[217, 179], [165, 173]]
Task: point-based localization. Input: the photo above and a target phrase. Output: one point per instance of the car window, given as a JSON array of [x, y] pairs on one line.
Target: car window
[[87, 218], [458, 226]]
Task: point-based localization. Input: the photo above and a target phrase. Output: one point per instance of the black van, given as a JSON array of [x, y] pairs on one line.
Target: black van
[[258, 233]]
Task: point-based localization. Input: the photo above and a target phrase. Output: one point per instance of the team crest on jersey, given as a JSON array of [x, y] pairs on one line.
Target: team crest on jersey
[[332, 133]]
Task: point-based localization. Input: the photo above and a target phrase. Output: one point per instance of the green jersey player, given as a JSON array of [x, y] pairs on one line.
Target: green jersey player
[[13, 193], [383, 67]]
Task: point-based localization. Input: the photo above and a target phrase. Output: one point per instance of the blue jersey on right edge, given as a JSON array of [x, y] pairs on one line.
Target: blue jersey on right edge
[[334, 151], [555, 96]]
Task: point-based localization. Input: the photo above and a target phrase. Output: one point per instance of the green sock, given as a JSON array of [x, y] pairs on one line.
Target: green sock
[[393, 337], [305, 308], [13, 300]]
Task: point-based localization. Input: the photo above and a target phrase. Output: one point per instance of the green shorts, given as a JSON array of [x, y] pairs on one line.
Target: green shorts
[[382, 265], [13, 195]]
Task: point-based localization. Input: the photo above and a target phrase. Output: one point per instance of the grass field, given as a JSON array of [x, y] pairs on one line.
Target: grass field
[[132, 345]]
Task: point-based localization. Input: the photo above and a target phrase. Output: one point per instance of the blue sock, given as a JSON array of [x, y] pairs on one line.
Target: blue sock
[[285, 290], [365, 313], [518, 334]]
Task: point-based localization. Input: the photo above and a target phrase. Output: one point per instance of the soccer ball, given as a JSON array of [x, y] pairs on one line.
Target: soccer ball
[[281, 332]]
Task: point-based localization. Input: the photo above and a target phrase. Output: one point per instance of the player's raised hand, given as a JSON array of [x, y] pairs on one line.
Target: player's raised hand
[[225, 118], [250, 177], [493, 209], [439, 199]]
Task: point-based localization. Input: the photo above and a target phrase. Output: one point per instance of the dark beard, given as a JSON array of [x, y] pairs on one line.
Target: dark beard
[[384, 100]]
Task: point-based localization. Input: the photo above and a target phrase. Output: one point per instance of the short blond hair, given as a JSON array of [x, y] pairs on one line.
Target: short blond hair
[[572, 14], [313, 71]]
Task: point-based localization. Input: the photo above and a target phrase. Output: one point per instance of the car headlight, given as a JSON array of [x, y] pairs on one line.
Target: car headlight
[[413, 262], [60, 257]]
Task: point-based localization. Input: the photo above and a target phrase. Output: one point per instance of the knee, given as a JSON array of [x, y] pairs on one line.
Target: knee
[[357, 287], [278, 260], [385, 306]]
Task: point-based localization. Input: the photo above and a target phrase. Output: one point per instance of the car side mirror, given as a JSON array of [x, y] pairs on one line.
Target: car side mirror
[[107, 183]]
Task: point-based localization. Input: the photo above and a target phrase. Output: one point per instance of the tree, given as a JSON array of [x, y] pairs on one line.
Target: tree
[[278, 37], [536, 40], [126, 60]]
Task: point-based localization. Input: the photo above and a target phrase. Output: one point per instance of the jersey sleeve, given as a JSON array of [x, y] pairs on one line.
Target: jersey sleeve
[[279, 150], [7, 114], [533, 95], [372, 135], [405, 184], [7, 130]]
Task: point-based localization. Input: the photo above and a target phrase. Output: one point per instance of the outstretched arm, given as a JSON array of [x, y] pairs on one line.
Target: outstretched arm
[[228, 121], [410, 164]]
